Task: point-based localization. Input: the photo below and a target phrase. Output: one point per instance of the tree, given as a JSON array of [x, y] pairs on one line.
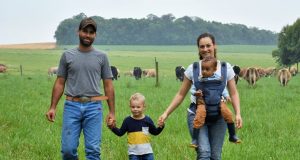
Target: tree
[[288, 52]]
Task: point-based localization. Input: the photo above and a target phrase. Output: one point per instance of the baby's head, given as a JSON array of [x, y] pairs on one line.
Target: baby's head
[[208, 66], [137, 105]]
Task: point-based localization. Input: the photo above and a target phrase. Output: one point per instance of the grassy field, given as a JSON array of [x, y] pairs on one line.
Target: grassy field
[[270, 112]]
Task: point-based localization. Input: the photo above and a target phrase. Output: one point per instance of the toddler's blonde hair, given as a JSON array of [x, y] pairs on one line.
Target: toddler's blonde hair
[[137, 96]]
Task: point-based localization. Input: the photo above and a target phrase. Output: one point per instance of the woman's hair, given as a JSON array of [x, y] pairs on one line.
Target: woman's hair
[[204, 35], [137, 96]]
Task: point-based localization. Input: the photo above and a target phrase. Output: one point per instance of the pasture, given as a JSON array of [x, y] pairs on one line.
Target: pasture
[[270, 112]]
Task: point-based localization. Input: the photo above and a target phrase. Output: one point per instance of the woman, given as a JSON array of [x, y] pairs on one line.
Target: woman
[[211, 135]]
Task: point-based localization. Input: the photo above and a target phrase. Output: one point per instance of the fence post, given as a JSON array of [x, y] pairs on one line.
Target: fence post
[[21, 69], [156, 70]]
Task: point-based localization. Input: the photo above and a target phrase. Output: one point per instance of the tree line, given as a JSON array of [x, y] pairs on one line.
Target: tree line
[[164, 30]]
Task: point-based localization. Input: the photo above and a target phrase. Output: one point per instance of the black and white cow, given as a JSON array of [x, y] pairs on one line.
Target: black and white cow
[[114, 72], [237, 71], [137, 72], [179, 71]]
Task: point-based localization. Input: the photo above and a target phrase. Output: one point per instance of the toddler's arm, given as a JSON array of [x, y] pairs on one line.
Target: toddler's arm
[[153, 130], [120, 132]]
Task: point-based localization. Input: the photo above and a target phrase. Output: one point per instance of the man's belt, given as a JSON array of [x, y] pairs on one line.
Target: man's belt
[[84, 99]]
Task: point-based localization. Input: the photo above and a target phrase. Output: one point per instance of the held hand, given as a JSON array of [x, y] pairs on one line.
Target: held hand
[[111, 124], [110, 121], [161, 124], [239, 121], [51, 115], [162, 119]]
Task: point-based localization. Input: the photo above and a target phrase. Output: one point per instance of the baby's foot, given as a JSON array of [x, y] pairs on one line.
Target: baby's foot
[[235, 139], [193, 145]]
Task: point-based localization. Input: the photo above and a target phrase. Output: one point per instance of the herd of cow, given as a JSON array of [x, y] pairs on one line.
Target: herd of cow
[[250, 74], [137, 72], [253, 74]]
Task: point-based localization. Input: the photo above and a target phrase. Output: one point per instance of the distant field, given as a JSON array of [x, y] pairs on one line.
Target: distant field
[[270, 112], [126, 57], [46, 45]]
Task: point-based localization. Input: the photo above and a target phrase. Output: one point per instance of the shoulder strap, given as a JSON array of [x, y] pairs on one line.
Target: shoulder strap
[[224, 73], [196, 75]]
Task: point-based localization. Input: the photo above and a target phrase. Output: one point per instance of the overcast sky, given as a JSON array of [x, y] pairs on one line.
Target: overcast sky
[[28, 21]]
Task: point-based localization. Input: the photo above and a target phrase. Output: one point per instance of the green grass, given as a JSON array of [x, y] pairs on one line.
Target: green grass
[[270, 112]]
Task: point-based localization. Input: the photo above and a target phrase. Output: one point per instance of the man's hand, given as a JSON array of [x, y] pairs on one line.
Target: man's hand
[[51, 115], [110, 121]]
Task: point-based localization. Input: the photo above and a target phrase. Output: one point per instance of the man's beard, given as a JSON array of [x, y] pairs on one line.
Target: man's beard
[[84, 43]]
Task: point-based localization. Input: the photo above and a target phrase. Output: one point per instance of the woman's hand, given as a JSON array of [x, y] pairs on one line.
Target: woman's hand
[[239, 121], [162, 119]]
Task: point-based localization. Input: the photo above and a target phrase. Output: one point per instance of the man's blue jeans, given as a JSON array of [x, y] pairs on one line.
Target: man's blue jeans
[[210, 139], [88, 118]]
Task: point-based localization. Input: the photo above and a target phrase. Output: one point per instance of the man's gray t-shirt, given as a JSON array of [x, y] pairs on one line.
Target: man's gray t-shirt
[[83, 72]]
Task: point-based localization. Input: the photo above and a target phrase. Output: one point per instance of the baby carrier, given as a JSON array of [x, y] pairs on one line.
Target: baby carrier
[[212, 91]]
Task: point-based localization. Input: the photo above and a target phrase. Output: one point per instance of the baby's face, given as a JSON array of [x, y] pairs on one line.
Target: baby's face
[[137, 108], [207, 69]]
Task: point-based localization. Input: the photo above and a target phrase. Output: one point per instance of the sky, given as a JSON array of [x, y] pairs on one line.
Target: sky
[[34, 21]]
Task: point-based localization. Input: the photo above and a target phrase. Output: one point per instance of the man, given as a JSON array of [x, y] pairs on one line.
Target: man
[[81, 70]]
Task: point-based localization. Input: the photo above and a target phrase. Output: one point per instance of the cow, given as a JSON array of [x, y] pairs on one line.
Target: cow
[[3, 68], [270, 71], [261, 72], [149, 73], [237, 71], [52, 71], [128, 73], [137, 72], [179, 72], [243, 72], [293, 70], [251, 76], [114, 72], [284, 76]]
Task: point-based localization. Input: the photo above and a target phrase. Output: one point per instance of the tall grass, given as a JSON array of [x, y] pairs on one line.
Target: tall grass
[[270, 112]]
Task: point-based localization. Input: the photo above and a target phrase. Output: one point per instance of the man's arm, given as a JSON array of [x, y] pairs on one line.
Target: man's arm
[[57, 91], [110, 93]]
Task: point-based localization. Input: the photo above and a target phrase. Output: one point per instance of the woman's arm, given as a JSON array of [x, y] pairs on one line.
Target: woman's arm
[[179, 97], [235, 102]]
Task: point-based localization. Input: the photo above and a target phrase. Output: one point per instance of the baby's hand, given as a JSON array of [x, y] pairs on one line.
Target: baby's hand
[[198, 93], [228, 99]]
